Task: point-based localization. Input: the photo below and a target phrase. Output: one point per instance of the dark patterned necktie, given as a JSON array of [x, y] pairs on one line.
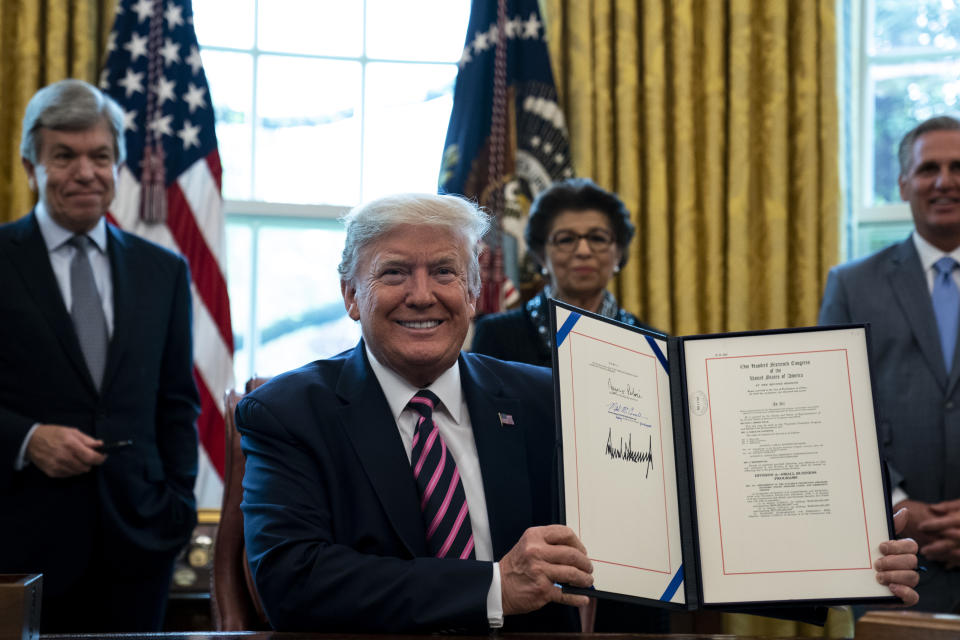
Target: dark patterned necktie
[[442, 500], [86, 310]]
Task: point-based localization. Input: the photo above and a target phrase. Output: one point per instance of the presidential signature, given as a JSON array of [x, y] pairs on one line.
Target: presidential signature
[[626, 451]]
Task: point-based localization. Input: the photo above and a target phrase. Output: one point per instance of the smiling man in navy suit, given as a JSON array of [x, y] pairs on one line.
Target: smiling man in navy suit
[[342, 532], [908, 292], [97, 398]]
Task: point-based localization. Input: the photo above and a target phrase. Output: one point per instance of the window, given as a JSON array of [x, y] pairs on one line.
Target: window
[[905, 69], [284, 292], [320, 105]]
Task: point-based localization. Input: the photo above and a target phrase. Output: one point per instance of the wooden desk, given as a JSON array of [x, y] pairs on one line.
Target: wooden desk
[[876, 625], [907, 625], [274, 635]]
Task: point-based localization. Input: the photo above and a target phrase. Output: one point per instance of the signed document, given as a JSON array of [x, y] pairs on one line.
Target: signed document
[[620, 481], [730, 469]]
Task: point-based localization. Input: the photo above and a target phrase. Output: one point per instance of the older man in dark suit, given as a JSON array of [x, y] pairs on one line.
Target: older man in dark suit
[[97, 398], [404, 485], [382, 484], [908, 292]]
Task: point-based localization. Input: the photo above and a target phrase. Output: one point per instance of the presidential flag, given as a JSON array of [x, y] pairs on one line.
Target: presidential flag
[[168, 191], [507, 138]]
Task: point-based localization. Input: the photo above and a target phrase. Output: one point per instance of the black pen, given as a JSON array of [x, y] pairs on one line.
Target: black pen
[[107, 447]]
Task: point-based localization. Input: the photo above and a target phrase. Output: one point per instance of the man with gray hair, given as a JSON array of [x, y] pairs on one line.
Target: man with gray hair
[[908, 292], [404, 485], [97, 398]]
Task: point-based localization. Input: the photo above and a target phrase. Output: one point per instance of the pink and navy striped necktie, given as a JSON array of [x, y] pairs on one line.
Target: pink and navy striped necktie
[[442, 500]]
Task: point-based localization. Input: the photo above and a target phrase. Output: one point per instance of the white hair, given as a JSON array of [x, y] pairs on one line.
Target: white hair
[[368, 222], [70, 105]]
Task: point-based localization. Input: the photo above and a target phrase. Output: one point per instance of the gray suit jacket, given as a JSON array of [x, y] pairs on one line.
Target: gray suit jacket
[[919, 402]]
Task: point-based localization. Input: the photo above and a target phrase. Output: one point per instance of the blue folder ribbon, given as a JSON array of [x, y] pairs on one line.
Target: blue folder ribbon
[[656, 350], [566, 327], [673, 586]]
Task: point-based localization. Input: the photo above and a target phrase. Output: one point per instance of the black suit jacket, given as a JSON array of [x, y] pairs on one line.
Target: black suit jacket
[[516, 334], [331, 514], [139, 505], [919, 401]]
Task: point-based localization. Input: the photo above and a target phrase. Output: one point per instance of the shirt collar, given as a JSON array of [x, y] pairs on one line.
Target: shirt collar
[[398, 391], [54, 236]]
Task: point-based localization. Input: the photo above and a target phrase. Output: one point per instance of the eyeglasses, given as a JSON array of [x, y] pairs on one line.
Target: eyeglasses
[[598, 240]]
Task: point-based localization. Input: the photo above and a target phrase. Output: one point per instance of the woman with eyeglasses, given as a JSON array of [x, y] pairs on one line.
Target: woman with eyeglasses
[[579, 234]]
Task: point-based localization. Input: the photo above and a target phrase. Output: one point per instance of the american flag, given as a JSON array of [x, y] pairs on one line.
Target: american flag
[[168, 191], [507, 139]]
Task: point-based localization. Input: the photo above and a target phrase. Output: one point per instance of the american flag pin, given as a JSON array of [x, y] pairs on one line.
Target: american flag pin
[[505, 419]]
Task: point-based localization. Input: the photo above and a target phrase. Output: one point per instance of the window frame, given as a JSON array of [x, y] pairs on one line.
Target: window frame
[[283, 216], [855, 31], [262, 207], [258, 215]]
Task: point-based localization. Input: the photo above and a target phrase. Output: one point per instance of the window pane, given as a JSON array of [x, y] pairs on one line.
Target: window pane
[[308, 131], [408, 107], [917, 25], [224, 23], [877, 235], [300, 311], [239, 284], [431, 30], [904, 95], [322, 27], [230, 76]]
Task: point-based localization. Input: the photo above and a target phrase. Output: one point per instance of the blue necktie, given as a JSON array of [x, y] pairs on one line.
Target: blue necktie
[[946, 306]]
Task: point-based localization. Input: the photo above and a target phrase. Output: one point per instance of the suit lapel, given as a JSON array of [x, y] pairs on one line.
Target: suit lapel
[[502, 451], [29, 256], [120, 277], [367, 421], [913, 295], [954, 376]]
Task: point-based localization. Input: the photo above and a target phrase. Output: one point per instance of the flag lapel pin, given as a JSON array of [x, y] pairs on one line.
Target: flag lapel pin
[[505, 419]]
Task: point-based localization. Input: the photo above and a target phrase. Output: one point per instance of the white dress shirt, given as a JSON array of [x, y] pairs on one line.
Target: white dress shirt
[[61, 254], [453, 421], [929, 254]]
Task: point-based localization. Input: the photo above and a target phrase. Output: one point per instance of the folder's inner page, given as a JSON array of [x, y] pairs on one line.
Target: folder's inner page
[[618, 455], [787, 476]]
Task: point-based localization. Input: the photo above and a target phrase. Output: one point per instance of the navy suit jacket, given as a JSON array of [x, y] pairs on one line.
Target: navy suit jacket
[[139, 505], [919, 402], [332, 521]]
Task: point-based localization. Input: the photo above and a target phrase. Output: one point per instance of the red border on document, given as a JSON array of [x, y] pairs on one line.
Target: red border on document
[[856, 442], [576, 453]]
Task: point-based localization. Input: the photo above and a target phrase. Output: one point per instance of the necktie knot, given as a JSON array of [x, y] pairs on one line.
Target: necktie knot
[[945, 265], [424, 402], [79, 242]]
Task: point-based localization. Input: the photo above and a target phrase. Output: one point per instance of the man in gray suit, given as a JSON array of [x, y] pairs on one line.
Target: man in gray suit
[[908, 292]]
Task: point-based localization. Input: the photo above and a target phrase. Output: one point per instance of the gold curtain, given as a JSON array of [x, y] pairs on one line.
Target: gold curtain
[[41, 41], [716, 122]]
